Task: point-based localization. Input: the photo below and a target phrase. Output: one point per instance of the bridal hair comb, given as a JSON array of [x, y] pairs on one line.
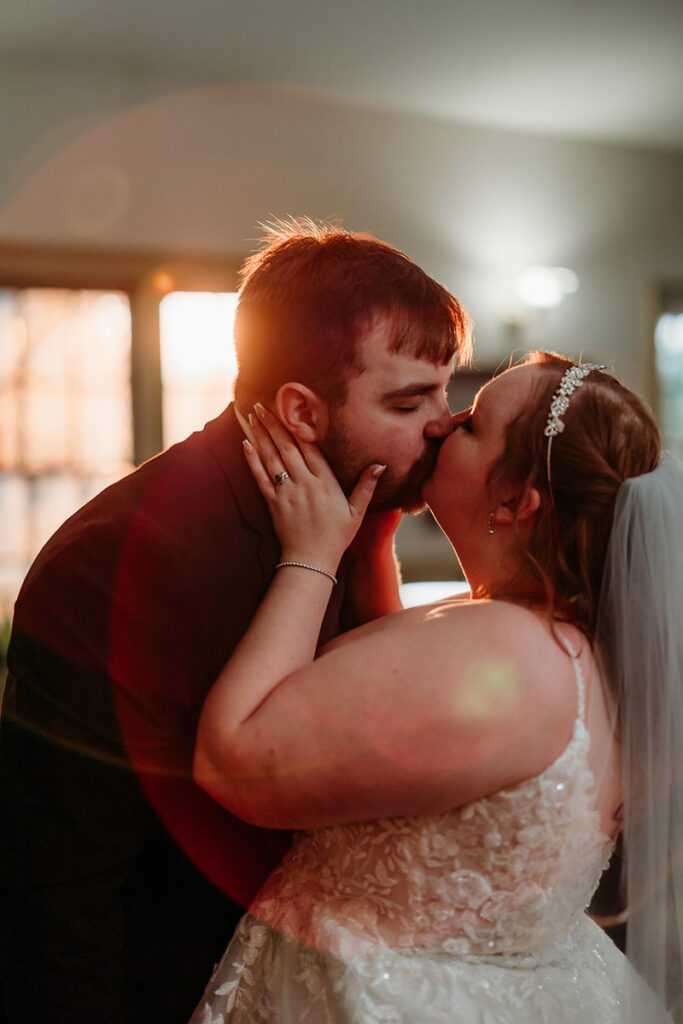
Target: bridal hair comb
[[571, 380]]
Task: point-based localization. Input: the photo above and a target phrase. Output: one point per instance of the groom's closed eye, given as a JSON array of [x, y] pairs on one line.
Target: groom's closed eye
[[411, 397], [407, 408]]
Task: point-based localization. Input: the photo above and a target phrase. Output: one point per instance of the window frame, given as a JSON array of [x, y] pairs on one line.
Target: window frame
[[145, 276]]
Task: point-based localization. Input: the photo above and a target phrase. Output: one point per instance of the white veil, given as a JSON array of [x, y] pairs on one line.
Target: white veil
[[639, 638]]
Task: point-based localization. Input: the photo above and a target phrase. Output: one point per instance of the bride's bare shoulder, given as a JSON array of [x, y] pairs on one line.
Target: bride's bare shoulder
[[399, 620], [456, 624], [488, 613]]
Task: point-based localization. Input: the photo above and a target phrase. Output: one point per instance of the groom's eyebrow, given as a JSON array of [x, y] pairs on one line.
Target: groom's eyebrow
[[412, 389]]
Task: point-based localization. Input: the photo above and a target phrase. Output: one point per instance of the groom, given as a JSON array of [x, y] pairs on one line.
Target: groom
[[122, 880]]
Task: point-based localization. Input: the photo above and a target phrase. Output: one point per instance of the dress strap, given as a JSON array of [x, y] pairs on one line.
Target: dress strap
[[578, 674]]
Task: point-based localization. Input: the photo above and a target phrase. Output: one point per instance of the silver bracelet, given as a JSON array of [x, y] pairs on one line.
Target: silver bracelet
[[305, 565]]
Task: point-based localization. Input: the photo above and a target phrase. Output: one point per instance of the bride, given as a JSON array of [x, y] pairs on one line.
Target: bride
[[459, 772]]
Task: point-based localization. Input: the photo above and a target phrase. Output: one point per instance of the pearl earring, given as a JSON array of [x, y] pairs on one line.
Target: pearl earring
[[491, 523]]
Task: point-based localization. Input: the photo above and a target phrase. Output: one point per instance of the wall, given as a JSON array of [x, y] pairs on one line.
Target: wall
[[89, 157]]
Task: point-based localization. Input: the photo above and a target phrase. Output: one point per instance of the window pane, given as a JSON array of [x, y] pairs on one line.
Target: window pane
[[669, 369], [198, 364], [65, 413]]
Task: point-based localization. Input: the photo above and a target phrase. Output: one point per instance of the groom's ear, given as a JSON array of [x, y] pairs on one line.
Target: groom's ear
[[303, 412], [516, 510]]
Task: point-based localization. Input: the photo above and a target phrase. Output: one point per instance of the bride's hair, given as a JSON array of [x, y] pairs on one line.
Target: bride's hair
[[606, 545], [609, 436]]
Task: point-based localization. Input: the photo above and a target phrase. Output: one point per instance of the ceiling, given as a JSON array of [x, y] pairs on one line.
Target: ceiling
[[604, 70]]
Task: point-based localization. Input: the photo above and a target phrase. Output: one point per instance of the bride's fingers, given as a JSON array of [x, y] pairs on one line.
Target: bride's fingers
[[263, 478], [297, 456], [361, 495], [315, 460], [281, 439], [274, 461]]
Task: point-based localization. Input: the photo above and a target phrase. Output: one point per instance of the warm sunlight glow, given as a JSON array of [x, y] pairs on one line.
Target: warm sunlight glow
[[198, 364], [490, 688], [426, 591], [163, 282]]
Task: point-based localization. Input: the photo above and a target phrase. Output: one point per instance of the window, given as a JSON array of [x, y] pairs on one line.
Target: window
[[198, 364], [669, 375], [65, 413], [85, 337]]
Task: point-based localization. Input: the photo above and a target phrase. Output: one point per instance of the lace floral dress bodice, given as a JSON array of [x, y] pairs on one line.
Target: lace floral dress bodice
[[484, 905], [507, 873]]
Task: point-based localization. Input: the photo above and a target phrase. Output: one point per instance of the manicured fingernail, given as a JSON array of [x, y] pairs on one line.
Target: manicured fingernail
[[378, 470], [260, 410], [247, 445], [250, 417]]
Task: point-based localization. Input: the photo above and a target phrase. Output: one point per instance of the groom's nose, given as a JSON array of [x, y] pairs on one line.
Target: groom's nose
[[441, 425]]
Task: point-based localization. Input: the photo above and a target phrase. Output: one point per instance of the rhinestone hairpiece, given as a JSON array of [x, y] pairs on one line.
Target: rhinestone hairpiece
[[572, 379]]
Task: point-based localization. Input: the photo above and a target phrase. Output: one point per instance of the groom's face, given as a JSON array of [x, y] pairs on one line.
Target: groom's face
[[395, 413]]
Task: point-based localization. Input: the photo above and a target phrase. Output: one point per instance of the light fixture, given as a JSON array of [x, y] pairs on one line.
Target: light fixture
[[545, 287]]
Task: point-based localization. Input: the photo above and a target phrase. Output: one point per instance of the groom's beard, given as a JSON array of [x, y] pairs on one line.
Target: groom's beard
[[393, 491]]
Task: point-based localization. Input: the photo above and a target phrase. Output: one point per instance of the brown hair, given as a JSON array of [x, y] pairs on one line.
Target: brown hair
[[609, 436], [313, 290]]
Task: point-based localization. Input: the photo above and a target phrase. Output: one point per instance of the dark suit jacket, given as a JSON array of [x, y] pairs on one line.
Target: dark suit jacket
[[123, 881]]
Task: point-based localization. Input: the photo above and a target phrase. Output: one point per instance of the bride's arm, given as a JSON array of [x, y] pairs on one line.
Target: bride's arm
[[431, 714], [373, 571], [408, 719], [315, 523]]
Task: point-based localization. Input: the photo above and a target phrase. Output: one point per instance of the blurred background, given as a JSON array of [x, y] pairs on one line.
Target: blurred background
[[529, 156]]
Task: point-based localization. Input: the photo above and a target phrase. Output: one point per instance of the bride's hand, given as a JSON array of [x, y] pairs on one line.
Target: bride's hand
[[313, 518]]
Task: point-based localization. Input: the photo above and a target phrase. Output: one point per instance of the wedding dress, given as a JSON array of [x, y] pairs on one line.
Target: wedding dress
[[473, 916]]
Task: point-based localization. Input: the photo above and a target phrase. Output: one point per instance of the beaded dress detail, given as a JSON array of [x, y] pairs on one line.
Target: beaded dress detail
[[473, 916]]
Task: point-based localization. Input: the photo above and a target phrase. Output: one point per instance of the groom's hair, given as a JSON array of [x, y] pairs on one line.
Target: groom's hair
[[313, 290]]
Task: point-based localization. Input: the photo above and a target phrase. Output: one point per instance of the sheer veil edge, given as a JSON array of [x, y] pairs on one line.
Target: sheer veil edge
[[639, 641]]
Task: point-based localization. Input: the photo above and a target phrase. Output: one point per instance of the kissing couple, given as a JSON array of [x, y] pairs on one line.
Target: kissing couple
[[455, 775]]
